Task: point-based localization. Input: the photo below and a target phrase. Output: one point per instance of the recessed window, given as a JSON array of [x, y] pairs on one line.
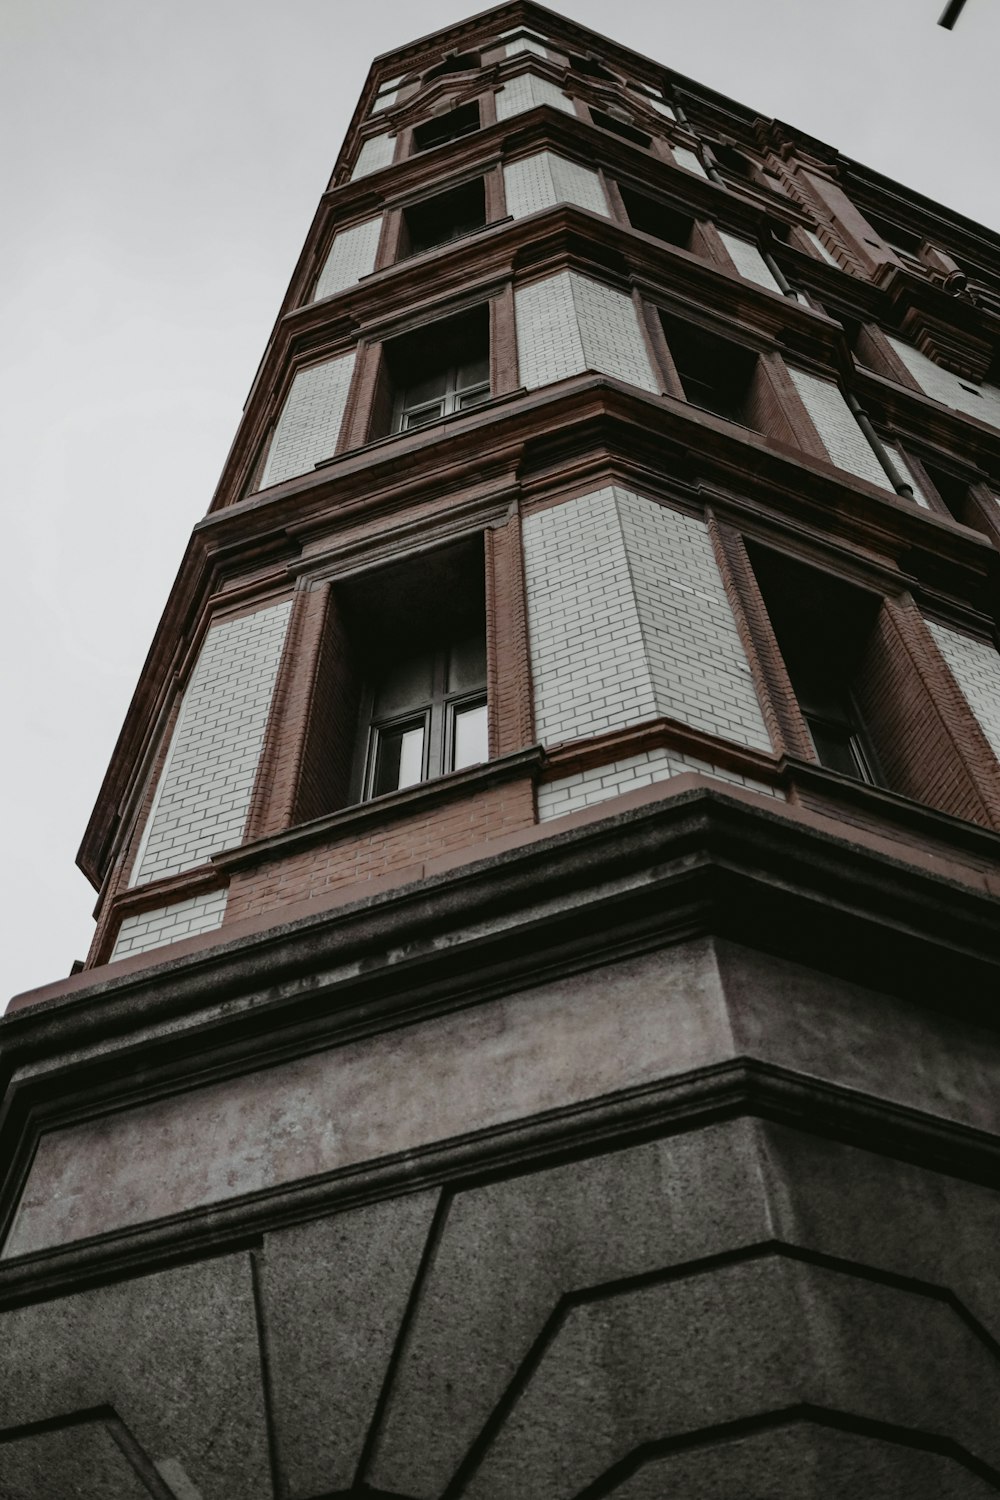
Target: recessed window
[[460, 63], [438, 370], [450, 126], [590, 67], [715, 374], [621, 126], [445, 217], [823, 627], [650, 216], [957, 496], [419, 636]]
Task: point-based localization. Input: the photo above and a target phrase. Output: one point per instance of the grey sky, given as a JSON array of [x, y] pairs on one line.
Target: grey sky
[[162, 164]]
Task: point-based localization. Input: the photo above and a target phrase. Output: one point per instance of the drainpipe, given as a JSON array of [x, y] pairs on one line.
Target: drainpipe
[[878, 448]]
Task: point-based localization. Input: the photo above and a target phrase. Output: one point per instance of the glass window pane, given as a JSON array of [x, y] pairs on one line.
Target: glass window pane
[[476, 372], [470, 736], [399, 758], [423, 416], [473, 398], [406, 685], [467, 664], [427, 389]]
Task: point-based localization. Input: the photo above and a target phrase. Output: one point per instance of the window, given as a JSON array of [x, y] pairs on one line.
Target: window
[[450, 126], [619, 124], [418, 632], [590, 67], [458, 63], [445, 217], [823, 628], [957, 496], [715, 374], [658, 219], [436, 371]]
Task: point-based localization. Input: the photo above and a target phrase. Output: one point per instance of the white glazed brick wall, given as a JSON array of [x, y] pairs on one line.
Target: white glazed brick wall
[[975, 666], [526, 92], [748, 261], [585, 788], [685, 158], [204, 793], [525, 44], [309, 425], [696, 658], [168, 924], [842, 438], [628, 619], [541, 181], [942, 385], [907, 474], [588, 661], [569, 323], [351, 256], [377, 152], [387, 95]]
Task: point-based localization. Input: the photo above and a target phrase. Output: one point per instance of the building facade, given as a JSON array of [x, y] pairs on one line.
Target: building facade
[[539, 1037]]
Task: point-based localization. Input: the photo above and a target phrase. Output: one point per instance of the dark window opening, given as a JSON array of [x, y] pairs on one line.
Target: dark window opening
[[658, 219], [462, 63], [418, 635], [436, 371], [589, 67], [734, 162], [450, 126], [957, 496], [897, 236], [823, 627], [445, 217], [714, 373], [620, 127]]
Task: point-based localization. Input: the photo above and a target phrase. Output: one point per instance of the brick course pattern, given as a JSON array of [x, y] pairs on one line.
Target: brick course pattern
[[975, 666], [523, 44], [942, 385], [748, 261], [204, 793], [568, 324], [352, 255], [840, 434], [527, 91], [538, 182], [309, 425], [820, 248], [376, 153], [628, 620], [168, 924], [585, 788]]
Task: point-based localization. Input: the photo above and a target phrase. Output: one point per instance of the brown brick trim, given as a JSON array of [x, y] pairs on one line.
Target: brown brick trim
[[508, 657], [793, 408], [504, 376], [655, 734], [167, 892], [779, 705]]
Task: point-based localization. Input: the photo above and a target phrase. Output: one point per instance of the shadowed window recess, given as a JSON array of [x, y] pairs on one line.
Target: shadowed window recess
[[438, 370], [450, 126], [443, 218]]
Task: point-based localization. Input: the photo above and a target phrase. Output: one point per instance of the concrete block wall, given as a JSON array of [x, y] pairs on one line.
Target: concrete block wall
[[568, 324], [628, 620], [376, 152], [203, 796], [351, 256], [586, 788], [168, 924], [975, 666], [748, 261], [842, 438], [309, 425], [527, 91], [541, 181], [942, 385]]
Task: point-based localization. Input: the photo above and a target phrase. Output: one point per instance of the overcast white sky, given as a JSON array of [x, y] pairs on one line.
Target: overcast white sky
[[163, 159]]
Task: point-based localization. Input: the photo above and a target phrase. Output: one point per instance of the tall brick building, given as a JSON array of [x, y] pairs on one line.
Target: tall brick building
[[540, 1034]]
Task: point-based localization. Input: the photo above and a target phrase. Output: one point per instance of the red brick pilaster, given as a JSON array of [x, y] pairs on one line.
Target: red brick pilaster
[[507, 656]]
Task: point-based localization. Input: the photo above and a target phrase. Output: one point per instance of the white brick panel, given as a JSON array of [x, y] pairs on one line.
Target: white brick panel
[[527, 91], [975, 666], [688, 159], [588, 663], [748, 261], [628, 619], [820, 248], [841, 436], [568, 323], [523, 44], [204, 792], [376, 153], [585, 788], [695, 655], [541, 181], [168, 924], [309, 425], [908, 476], [942, 385], [387, 96], [351, 256]]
